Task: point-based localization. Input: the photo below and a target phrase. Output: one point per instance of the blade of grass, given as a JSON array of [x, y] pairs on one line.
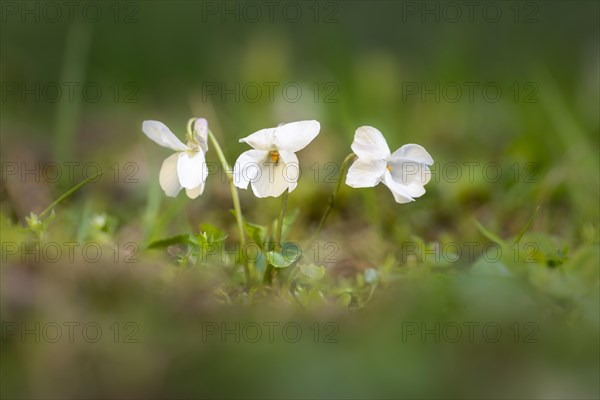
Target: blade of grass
[[529, 222], [84, 225], [488, 234], [73, 70], [69, 193], [150, 217]]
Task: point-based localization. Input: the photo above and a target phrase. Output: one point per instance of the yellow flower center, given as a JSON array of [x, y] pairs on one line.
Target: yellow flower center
[[274, 156], [388, 168]]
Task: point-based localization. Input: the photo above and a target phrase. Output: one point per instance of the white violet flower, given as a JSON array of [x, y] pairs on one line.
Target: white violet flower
[[272, 166], [404, 171], [187, 167]]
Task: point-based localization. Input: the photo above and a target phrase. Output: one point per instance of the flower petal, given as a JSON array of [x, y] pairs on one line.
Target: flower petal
[[161, 135], [247, 167], [291, 169], [168, 179], [412, 152], [201, 133], [193, 193], [191, 169], [365, 173], [271, 181], [261, 140], [411, 175], [295, 136], [399, 191], [369, 143]]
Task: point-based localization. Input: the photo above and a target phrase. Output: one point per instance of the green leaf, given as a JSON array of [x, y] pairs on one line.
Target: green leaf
[[312, 271], [279, 260], [260, 263], [162, 243], [487, 267], [288, 221], [212, 234], [197, 242], [291, 251], [344, 299], [257, 233]]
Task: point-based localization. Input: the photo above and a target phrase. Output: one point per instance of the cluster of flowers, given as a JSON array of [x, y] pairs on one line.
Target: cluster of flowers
[[271, 167]]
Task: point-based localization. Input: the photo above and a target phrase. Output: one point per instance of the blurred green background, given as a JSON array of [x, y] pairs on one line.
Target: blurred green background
[[532, 115]]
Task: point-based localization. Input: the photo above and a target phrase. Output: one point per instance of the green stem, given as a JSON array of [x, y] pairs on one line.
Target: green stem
[[69, 193], [189, 129], [236, 205], [350, 157], [268, 278], [284, 200]]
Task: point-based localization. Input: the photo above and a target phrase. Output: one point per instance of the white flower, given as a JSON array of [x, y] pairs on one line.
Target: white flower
[[187, 167], [272, 167], [404, 171]]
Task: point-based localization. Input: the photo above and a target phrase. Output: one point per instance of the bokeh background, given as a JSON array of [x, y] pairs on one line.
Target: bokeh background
[[77, 83]]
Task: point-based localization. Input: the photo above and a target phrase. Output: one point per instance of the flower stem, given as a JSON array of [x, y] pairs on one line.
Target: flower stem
[[350, 157], [236, 205], [284, 200], [268, 278], [190, 129]]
